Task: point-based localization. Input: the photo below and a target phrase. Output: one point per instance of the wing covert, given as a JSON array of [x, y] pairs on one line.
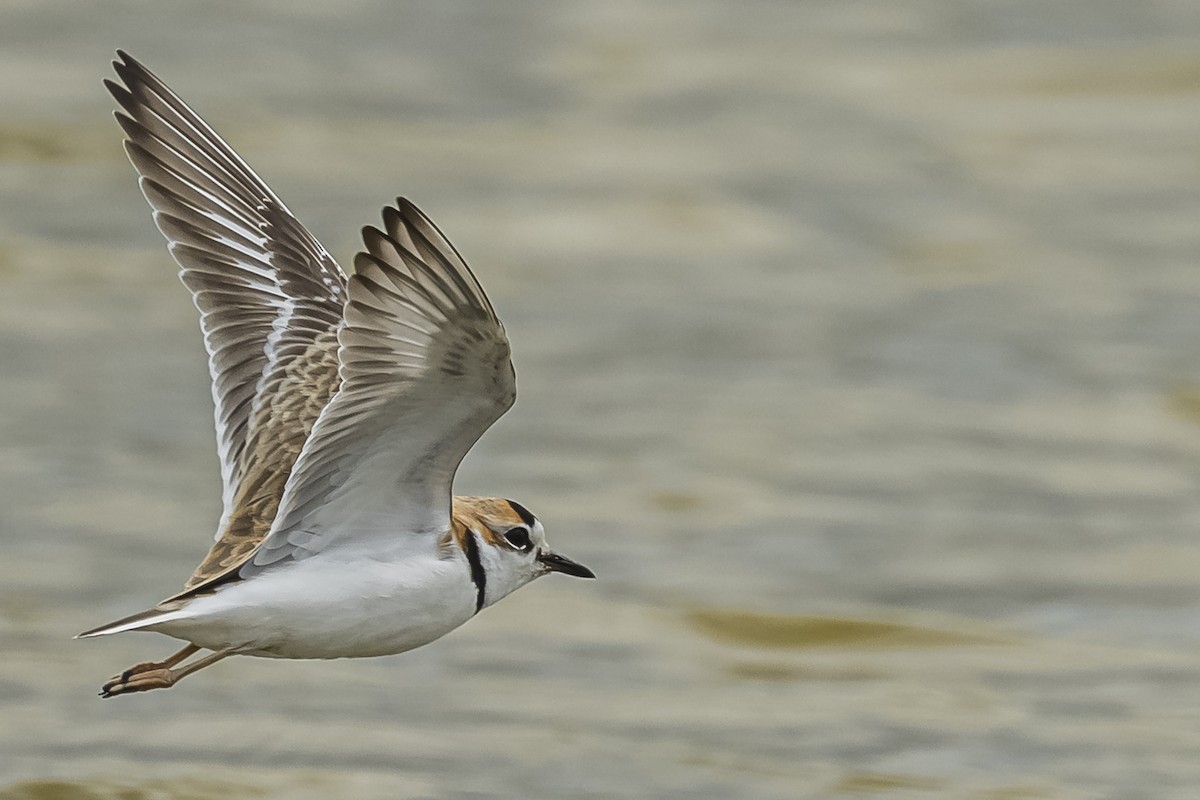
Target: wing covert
[[265, 287], [425, 370]]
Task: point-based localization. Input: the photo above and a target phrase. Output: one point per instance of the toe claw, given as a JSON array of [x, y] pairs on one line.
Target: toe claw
[[141, 681]]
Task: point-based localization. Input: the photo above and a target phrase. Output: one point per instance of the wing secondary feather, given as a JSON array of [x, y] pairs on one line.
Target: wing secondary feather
[[343, 406], [425, 370], [270, 299]]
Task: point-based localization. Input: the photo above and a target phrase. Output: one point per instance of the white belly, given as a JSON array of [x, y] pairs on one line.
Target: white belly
[[323, 608]]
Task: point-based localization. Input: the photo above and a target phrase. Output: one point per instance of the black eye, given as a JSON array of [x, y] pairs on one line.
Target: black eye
[[518, 538]]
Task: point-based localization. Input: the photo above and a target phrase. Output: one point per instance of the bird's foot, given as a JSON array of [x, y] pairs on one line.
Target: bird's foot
[[139, 678]]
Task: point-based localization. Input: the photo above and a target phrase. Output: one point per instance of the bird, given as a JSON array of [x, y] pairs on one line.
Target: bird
[[343, 404]]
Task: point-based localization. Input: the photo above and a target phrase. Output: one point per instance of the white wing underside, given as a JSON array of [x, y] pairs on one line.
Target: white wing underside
[[264, 286], [422, 360], [425, 370]]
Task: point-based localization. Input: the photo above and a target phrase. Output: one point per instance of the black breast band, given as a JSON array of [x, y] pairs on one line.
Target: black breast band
[[478, 576]]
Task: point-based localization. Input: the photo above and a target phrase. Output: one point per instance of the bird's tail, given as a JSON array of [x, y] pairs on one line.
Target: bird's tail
[[134, 622]]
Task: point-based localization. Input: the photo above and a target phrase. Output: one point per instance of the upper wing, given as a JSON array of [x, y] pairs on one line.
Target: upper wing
[[266, 289], [425, 370]]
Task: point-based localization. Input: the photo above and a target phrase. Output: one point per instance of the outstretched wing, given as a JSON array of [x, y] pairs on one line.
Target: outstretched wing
[[270, 296], [425, 370]]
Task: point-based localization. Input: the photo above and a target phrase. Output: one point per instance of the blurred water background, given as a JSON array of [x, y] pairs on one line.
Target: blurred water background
[[859, 354]]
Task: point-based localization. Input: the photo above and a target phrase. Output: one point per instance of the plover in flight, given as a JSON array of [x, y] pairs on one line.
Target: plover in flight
[[343, 408]]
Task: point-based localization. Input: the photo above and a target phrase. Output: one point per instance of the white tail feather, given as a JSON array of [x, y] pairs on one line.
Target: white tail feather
[[139, 621]]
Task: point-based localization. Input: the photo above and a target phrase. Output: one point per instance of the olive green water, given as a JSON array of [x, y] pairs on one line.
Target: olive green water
[[859, 354]]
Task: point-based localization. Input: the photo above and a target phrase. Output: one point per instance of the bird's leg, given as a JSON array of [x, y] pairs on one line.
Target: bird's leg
[[159, 675], [146, 666]]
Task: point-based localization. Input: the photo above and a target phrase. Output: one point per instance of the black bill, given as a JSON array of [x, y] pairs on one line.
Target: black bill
[[556, 563]]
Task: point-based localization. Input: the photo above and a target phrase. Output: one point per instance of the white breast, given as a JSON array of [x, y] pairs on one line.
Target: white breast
[[323, 607]]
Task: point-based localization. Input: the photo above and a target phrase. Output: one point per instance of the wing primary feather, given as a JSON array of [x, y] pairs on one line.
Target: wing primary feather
[[425, 371], [270, 297], [343, 405]]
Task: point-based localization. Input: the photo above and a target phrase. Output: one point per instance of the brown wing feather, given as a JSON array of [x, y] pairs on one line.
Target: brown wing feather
[[420, 349], [421, 365], [285, 423], [270, 299], [425, 371]]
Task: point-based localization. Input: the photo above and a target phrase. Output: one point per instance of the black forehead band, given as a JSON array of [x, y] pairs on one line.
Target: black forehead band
[[523, 513]]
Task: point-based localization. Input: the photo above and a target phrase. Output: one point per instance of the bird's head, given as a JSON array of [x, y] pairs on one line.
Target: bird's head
[[505, 546]]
